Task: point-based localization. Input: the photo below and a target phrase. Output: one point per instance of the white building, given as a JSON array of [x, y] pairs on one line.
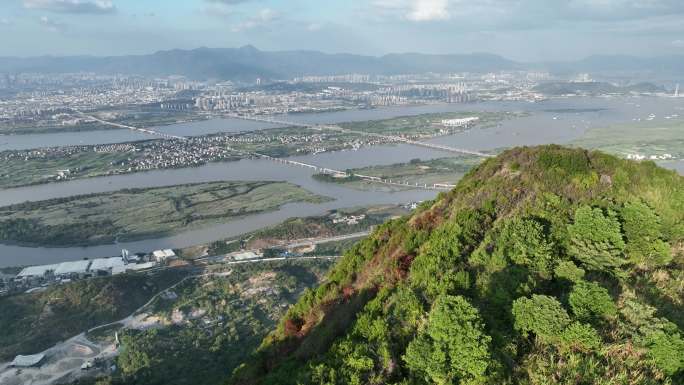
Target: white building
[[459, 122], [37, 271], [27, 361], [245, 256], [74, 268], [115, 265], [163, 255]]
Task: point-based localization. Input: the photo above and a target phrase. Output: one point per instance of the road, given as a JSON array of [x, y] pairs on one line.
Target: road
[[289, 245]]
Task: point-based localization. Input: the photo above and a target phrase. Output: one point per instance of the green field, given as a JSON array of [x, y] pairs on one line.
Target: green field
[[291, 141], [443, 170], [141, 213], [19, 172]]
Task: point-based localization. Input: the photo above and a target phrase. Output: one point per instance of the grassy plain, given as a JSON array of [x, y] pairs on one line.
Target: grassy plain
[[141, 213]]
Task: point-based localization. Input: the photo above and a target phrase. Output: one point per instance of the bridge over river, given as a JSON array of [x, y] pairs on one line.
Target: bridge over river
[[394, 138]]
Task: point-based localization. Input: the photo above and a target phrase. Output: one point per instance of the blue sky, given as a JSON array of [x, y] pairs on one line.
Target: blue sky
[[519, 29]]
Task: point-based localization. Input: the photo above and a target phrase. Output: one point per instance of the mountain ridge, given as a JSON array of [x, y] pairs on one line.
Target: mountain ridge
[[545, 265], [247, 63]]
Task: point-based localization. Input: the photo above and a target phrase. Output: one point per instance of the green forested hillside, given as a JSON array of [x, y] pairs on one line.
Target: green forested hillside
[[545, 265]]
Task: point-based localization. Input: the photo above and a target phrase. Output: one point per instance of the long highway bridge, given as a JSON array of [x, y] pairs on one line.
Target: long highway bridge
[[394, 138], [137, 129]]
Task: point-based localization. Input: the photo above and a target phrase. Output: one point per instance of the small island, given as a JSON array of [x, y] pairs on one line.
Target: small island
[[135, 214]]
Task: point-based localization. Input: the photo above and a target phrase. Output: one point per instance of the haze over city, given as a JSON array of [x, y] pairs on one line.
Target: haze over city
[[525, 30]]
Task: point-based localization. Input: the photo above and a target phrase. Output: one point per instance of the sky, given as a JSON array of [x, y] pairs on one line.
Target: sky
[[524, 30]]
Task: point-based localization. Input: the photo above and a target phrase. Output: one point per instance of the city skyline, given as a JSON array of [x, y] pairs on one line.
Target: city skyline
[[526, 30]]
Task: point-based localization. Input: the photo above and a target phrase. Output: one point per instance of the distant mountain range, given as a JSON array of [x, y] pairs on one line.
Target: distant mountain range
[[248, 63]]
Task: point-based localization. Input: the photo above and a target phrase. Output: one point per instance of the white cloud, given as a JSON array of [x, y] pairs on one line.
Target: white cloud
[[217, 11], [313, 27], [262, 18], [498, 13], [429, 10], [678, 43], [72, 6], [228, 2], [52, 25]]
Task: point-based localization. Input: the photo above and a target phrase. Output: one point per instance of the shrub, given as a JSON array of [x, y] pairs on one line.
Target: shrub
[[525, 242], [642, 229], [590, 301], [560, 159], [666, 351], [453, 348], [542, 315], [581, 336], [438, 256], [596, 239], [568, 270]]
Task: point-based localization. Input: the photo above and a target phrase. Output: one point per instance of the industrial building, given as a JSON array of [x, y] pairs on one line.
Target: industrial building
[[27, 361], [73, 269], [113, 266], [37, 271]]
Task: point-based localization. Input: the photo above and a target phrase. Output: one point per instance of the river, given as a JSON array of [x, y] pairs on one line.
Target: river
[[552, 121], [610, 111]]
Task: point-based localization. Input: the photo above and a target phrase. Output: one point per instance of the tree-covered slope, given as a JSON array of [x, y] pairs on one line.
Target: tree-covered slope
[[545, 265]]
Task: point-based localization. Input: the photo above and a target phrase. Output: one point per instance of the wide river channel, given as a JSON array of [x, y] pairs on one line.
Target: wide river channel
[[553, 121]]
